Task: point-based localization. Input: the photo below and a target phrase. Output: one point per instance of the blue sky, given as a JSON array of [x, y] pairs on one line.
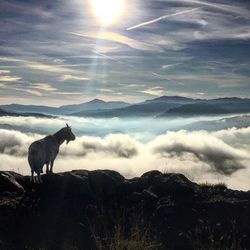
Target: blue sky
[[59, 52]]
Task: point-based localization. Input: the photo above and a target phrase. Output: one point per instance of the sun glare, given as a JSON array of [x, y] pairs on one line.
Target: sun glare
[[108, 11]]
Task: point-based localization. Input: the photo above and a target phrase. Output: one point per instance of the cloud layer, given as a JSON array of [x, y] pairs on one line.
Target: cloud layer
[[202, 156]]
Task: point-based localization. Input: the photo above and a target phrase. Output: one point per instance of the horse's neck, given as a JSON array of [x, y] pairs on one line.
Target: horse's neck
[[59, 137]]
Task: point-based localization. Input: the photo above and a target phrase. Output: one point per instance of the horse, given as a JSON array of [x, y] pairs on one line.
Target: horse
[[45, 150]]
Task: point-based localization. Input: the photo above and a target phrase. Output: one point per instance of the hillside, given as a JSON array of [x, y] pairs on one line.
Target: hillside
[[210, 108], [103, 210], [95, 104], [25, 114], [143, 109], [242, 121], [174, 99], [174, 105]]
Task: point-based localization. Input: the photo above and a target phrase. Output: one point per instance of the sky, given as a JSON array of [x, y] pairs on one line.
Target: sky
[[60, 52]]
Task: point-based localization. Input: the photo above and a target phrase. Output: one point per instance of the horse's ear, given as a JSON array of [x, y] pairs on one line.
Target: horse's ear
[[67, 125]]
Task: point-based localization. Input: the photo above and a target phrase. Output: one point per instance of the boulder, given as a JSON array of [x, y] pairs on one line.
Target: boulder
[[176, 185], [9, 183], [104, 183]]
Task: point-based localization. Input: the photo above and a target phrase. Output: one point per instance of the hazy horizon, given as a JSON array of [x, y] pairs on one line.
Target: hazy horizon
[[114, 100]]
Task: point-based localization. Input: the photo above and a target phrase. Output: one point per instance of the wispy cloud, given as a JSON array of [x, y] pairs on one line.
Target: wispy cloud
[[4, 78], [4, 71], [43, 86], [156, 91], [27, 90], [68, 93], [121, 39], [177, 13], [231, 8], [166, 66], [106, 90], [73, 78], [48, 67], [40, 66]]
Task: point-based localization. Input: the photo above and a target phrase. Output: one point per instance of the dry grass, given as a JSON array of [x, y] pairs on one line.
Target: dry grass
[[219, 185], [126, 234], [206, 238]]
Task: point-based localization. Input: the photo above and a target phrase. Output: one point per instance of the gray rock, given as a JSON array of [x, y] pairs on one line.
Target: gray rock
[[9, 183]]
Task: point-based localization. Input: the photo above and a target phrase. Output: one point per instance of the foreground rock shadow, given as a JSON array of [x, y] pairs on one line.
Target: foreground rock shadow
[[102, 210]]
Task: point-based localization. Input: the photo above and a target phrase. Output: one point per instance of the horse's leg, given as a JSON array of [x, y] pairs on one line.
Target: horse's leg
[[51, 166], [32, 175], [36, 178], [39, 177], [47, 168]]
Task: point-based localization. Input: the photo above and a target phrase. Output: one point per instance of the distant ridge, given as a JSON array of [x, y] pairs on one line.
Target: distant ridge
[[217, 106], [158, 107], [175, 105], [173, 99], [95, 104], [241, 121], [8, 113]]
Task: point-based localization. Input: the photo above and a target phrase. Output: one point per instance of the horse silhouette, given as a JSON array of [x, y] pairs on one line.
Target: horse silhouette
[[45, 150]]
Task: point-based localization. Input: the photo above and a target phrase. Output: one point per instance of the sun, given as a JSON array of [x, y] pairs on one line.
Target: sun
[[108, 11]]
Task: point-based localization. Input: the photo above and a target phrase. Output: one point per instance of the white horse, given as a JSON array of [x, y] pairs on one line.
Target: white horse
[[44, 151]]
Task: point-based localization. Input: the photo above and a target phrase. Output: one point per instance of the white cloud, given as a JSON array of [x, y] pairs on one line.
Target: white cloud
[[205, 147], [202, 156]]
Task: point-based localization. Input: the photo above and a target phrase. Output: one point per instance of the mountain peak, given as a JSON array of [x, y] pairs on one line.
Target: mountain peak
[[96, 101]]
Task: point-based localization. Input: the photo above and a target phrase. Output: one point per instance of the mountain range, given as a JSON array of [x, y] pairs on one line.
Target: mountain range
[[159, 107], [95, 104]]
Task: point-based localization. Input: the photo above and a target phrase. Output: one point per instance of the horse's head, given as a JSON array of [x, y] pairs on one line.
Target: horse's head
[[68, 134]]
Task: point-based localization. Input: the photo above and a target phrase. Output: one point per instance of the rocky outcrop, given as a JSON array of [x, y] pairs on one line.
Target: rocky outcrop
[[102, 210]]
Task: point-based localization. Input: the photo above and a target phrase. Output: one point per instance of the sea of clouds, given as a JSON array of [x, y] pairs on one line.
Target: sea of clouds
[[134, 147]]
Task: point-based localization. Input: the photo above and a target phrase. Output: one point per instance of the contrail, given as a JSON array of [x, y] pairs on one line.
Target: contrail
[[105, 56], [162, 17]]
